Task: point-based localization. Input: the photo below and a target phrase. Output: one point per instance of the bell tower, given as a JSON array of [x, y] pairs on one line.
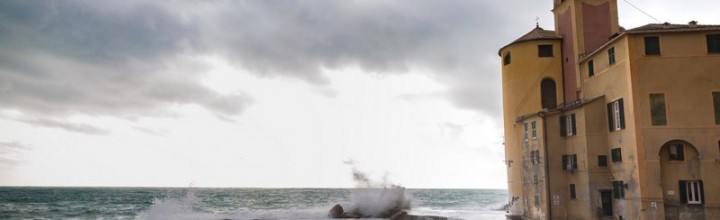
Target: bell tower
[[585, 26]]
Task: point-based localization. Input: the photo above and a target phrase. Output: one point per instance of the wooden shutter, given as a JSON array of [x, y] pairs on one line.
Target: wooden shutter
[[683, 191], [572, 123], [680, 152], [702, 192], [563, 128], [622, 114], [611, 125], [564, 162], [575, 162]]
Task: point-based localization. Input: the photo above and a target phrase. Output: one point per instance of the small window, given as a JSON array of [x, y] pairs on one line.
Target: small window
[[535, 180], [569, 162], [616, 155], [713, 43], [716, 104], [652, 45], [618, 189], [616, 115], [567, 125], [572, 191], [692, 192], [533, 129], [537, 200], [602, 161], [611, 56], [591, 69], [677, 152], [535, 157], [506, 59], [525, 131], [657, 109], [545, 50]]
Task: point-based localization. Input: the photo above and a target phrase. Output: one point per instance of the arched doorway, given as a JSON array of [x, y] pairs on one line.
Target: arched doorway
[[682, 185], [548, 94]]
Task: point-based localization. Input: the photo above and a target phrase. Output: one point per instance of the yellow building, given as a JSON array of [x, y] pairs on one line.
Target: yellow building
[[607, 123]]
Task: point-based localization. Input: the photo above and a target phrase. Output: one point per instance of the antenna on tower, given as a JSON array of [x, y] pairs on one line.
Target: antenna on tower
[[537, 21]]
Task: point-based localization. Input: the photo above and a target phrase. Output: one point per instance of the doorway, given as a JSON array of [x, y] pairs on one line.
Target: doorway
[[606, 198]]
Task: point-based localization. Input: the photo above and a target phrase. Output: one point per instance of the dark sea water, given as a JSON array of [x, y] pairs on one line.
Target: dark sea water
[[225, 203]]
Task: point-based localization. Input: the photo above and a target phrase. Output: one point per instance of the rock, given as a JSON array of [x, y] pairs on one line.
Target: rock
[[336, 211], [351, 215]]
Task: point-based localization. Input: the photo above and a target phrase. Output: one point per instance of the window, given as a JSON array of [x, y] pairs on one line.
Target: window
[[716, 104], [591, 69], [616, 115], [506, 59], [535, 157], [567, 125], [713, 43], [611, 56], [652, 45], [537, 200], [616, 155], [677, 152], [533, 129], [657, 109], [602, 161], [618, 189], [548, 94], [692, 192], [545, 50], [569, 162], [535, 180], [572, 191], [525, 131]]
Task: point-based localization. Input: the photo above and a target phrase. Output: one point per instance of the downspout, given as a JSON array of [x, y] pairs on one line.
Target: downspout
[[547, 166]]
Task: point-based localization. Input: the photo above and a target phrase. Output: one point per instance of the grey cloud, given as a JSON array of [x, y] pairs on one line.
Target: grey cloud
[[9, 153], [74, 127], [127, 58]]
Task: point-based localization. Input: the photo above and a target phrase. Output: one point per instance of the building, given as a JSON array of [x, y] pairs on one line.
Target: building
[[607, 123]]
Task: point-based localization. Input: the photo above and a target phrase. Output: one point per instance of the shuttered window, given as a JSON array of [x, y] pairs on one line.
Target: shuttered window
[[602, 161], [692, 192], [616, 155], [611, 56], [591, 68], [716, 106], [677, 152], [568, 125], [657, 109], [572, 191], [618, 189], [616, 115]]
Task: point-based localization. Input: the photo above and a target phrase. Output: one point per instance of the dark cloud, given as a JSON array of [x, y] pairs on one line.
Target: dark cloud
[[130, 58], [74, 127]]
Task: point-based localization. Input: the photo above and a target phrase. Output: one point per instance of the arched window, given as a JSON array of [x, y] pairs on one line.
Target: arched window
[[549, 95]]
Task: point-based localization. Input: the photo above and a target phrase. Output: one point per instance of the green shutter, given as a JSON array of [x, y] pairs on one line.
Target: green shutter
[[572, 123], [683, 191], [611, 125], [622, 114], [702, 192]]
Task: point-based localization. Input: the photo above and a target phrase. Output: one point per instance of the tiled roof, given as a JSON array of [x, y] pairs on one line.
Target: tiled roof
[[667, 27], [536, 34]]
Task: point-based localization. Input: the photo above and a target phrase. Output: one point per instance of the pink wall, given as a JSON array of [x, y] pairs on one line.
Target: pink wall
[[597, 27], [565, 29]]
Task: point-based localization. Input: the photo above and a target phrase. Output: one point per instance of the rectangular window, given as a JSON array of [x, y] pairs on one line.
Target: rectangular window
[[572, 191], [525, 131], [533, 129], [657, 109], [616, 115], [537, 200], [545, 50], [611, 56], [677, 152], [567, 125], [506, 59], [535, 157], [716, 104], [591, 68], [713, 43], [535, 180], [602, 161], [692, 192], [618, 189], [652, 45], [569, 162], [616, 155]]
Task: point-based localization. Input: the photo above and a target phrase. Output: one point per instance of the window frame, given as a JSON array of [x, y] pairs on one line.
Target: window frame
[[568, 125], [616, 115], [602, 161], [616, 155], [677, 152], [713, 43], [692, 192], [716, 106], [611, 56], [655, 41], [533, 130], [507, 59], [618, 189], [525, 131], [543, 50], [573, 194], [591, 68], [658, 109]]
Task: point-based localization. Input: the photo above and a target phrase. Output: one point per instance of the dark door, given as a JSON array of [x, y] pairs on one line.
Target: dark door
[[606, 203]]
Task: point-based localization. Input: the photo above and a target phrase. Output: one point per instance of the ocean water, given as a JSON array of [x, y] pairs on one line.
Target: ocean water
[[230, 203]]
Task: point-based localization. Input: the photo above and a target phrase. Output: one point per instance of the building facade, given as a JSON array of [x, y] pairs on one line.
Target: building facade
[[606, 123]]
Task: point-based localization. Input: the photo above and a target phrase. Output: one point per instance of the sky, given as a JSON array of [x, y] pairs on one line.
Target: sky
[[265, 93]]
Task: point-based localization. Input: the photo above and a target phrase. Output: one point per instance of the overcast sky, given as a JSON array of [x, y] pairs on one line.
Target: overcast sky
[[265, 93]]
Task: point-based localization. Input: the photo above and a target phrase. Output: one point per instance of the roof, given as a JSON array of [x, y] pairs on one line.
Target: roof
[[667, 27], [535, 34]]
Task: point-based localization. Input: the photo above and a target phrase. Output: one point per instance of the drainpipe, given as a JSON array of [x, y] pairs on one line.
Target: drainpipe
[[547, 166]]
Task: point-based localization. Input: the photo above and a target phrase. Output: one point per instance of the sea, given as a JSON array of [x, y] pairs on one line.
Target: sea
[[231, 203]]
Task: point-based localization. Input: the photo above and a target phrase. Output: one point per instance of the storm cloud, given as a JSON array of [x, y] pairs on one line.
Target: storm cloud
[[136, 59]]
